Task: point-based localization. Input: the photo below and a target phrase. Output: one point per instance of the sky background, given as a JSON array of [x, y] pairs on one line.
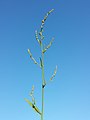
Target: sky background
[[68, 96]]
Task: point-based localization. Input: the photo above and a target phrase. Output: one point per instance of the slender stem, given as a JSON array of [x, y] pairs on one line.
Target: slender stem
[[42, 104], [43, 79]]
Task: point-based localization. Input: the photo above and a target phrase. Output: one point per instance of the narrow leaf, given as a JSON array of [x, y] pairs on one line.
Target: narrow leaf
[[33, 106], [28, 102]]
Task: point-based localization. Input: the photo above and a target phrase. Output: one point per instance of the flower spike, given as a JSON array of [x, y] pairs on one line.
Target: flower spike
[[48, 46], [32, 95], [42, 25], [55, 71], [32, 57], [36, 35]]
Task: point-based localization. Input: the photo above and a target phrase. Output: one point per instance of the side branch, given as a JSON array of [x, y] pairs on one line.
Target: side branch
[[32, 95], [33, 103], [42, 25], [32, 58], [36, 35], [54, 74], [48, 46]]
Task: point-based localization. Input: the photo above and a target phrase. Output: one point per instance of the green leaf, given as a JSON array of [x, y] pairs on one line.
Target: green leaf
[[33, 106]]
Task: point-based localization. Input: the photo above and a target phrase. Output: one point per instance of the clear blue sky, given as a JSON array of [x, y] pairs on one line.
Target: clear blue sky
[[68, 96]]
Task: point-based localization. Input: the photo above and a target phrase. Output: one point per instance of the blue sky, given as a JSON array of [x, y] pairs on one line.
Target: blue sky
[[68, 96]]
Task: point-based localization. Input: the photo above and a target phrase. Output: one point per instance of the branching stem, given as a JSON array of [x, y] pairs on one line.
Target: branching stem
[[41, 65]]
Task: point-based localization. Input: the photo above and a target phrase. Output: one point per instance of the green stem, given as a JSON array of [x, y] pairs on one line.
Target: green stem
[[42, 104], [43, 83]]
